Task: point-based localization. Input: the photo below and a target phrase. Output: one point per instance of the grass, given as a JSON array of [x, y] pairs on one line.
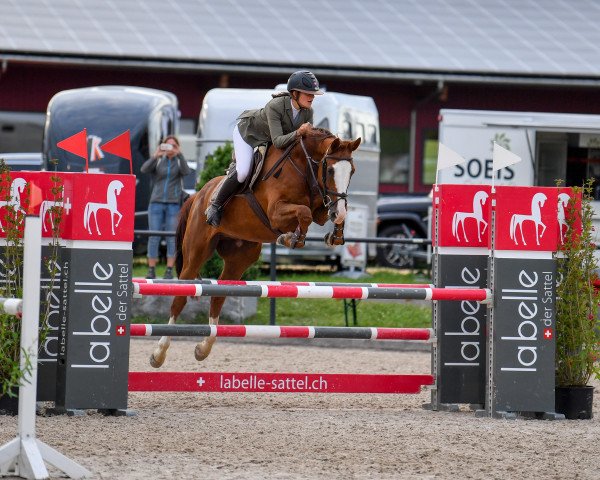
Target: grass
[[325, 312]]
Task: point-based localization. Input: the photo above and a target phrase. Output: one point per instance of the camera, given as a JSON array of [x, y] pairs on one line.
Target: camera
[[166, 147]]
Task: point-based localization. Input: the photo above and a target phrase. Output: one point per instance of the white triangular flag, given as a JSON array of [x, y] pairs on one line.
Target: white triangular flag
[[448, 157], [503, 157]]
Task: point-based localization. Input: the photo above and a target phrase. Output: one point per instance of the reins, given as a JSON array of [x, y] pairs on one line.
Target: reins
[[324, 191]]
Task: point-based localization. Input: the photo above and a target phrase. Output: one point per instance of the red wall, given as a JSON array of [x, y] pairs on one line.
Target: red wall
[[29, 87]]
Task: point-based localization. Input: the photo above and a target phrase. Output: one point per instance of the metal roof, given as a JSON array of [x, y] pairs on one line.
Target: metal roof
[[444, 39]]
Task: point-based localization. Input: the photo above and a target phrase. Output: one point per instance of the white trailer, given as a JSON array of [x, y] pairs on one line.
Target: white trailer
[[347, 116], [552, 146]]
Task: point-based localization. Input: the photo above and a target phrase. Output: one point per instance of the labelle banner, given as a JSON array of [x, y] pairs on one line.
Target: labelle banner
[[461, 239]]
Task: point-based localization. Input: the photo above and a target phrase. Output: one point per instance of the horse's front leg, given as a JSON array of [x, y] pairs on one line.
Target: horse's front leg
[[337, 236], [113, 224], [282, 215]]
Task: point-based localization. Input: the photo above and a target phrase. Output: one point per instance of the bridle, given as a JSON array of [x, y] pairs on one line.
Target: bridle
[[326, 194]]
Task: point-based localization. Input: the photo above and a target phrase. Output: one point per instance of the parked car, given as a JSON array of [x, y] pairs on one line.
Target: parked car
[[403, 216]]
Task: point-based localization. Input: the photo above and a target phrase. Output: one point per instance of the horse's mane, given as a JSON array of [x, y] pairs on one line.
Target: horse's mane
[[320, 132]]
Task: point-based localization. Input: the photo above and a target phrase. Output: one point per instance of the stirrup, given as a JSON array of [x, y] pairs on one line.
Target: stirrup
[[213, 215]]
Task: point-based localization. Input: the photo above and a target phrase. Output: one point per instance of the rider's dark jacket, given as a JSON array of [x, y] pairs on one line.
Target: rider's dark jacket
[[273, 123]]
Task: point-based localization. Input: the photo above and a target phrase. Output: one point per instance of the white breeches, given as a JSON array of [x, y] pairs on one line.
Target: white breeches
[[243, 155]]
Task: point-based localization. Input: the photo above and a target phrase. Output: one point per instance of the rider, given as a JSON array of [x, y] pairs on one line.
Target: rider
[[287, 116]]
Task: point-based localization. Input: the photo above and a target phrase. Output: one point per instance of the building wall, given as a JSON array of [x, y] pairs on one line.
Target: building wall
[[29, 88]]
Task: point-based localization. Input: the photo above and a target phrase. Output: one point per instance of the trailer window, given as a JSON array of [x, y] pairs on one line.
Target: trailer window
[[346, 127], [393, 166], [429, 156], [359, 131], [371, 136]]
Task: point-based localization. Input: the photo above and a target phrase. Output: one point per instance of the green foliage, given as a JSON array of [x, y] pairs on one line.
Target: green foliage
[[577, 326], [215, 164]]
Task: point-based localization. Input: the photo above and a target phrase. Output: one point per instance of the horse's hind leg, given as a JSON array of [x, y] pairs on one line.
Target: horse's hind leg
[[237, 256]]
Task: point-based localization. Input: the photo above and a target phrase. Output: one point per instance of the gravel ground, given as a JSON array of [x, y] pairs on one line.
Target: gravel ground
[[308, 436]]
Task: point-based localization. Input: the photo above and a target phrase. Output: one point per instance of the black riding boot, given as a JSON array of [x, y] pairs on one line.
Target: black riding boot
[[215, 210]]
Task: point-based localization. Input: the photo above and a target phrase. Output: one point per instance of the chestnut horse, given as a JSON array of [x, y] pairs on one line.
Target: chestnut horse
[[307, 182]]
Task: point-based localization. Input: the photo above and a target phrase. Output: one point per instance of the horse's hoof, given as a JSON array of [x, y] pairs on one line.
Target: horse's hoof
[[156, 363], [202, 351]]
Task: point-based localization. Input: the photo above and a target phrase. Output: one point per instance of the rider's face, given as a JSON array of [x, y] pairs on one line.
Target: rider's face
[[305, 99]]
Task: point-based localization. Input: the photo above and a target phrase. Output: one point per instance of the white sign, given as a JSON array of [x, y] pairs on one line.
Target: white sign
[[354, 254]]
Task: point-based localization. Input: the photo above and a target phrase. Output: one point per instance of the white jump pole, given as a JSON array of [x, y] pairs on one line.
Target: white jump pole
[[24, 455]]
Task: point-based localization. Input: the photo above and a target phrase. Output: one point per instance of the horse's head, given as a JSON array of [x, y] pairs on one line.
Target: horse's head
[[115, 186], [539, 198], [481, 197], [18, 185], [563, 199], [335, 168]]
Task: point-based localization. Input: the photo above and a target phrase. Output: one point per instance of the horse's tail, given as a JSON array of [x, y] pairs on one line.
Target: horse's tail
[[184, 213]]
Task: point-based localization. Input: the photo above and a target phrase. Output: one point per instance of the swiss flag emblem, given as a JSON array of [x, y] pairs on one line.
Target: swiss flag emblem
[[548, 334], [121, 330]]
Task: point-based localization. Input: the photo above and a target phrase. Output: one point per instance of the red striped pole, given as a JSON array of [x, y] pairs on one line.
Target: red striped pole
[[208, 281], [277, 331], [275, 382], [293, 291]]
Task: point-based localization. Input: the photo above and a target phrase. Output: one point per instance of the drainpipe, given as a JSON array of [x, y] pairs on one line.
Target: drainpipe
[[412, 160], [4, 67]]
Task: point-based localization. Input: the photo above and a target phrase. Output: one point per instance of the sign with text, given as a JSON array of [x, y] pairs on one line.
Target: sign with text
[[461, 332], [523, 335], [50, 286], [93, 348]]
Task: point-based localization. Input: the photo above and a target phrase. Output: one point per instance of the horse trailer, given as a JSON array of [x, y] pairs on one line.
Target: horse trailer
[[106, 112], [347, 116]]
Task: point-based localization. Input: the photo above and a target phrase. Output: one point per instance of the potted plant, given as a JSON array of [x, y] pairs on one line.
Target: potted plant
[[577, 325]]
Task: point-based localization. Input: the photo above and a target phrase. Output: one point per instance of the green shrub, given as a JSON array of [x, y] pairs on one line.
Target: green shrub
[[215, 164], [577, 324]]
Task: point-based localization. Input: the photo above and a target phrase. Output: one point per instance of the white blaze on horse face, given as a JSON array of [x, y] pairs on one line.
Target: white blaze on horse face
[[342, 171]]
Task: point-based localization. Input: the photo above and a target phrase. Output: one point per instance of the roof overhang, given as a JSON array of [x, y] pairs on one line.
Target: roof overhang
[[414, 76]]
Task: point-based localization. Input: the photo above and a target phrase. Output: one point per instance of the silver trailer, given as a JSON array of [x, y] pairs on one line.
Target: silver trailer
[[347, 116]]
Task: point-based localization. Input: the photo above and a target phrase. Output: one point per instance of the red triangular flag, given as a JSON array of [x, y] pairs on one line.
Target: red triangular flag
[[119, 146], [76, 144], [35, 198]]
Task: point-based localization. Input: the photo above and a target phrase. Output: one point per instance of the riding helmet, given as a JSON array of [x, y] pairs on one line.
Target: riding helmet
[[304, 81]]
